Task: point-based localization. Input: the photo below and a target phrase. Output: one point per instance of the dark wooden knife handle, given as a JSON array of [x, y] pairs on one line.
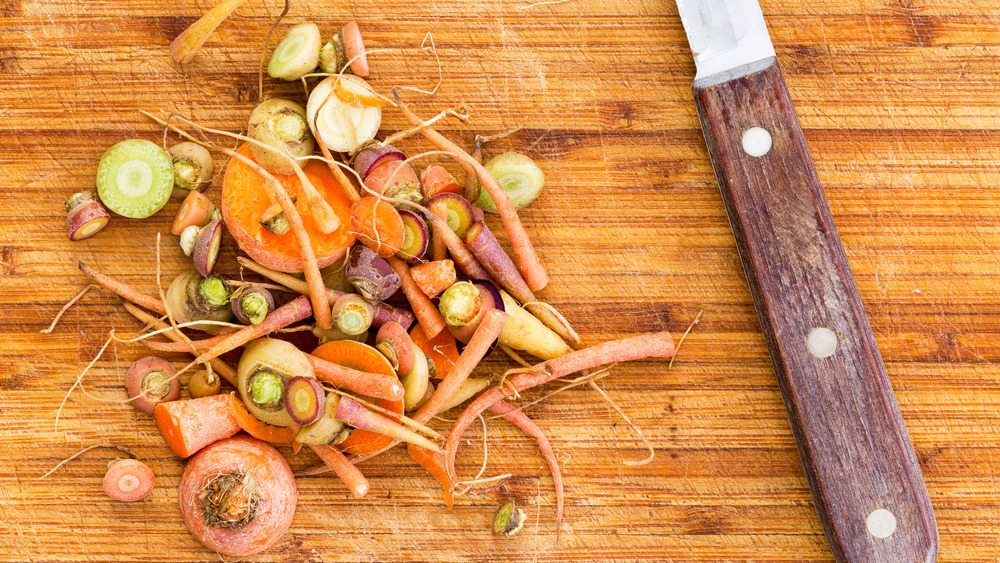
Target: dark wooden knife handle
[[851, 438]]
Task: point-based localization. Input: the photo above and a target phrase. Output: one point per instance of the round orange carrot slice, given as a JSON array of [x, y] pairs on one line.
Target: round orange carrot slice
[[361, 357], [246, 196]]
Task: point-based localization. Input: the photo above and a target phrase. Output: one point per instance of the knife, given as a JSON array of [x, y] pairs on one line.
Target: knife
[[863, 473]]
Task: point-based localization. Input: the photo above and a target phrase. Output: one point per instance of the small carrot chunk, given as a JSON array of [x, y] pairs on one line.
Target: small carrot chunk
[[434, 277], [436, 179], [188, 426]]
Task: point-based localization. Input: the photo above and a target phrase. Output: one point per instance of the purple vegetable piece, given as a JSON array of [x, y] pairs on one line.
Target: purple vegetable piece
[[206, 247], [385, 312], [373, 155], [460, 212], [487, 250], [252, 303], [371, 275], [304, 399]]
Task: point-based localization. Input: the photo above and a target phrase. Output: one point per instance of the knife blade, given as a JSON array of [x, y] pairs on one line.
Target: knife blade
[[862, 470]]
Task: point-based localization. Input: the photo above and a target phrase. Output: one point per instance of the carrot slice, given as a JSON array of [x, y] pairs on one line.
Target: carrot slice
[[258, 429], [436, 179], [361, 357], [434, 277], [246, 196], [379, 225], [442, 349], [188, 426], [434, 464]]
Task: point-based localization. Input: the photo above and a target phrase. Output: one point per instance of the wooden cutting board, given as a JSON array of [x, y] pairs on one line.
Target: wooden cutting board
[[899, 102]]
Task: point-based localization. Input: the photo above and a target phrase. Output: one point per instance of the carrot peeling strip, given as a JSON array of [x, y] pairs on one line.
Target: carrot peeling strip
[[524, 253], [296, 310], [348, 473], [260, 430], [123, 290], [427, 313]]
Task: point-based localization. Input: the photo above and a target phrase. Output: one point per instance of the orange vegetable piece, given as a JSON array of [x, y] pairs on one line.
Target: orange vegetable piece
[[434, 277], [361, 357], [246, 196], [188, 426], [378, 225], [260, 430], [442, 349], [434, 464], [436, 179]]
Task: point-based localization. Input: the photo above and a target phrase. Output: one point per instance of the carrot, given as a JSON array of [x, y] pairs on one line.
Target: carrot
[[655, 345], [375, 385], [354, 48], [463, 258], [181, 346], [128, 480], [427, 313], [436, 179], [301, 235], [439, 247], [521, 420], [220, 367], [379, 225], [357, 415], [480, 344], [185, 45], [434, 464], [196, 209], [434, 277], [362, 357], [348, 473], [238, 496], [188, 426], [442, 350], [260, 430], [291, 312], [124, 290], [524, 253]]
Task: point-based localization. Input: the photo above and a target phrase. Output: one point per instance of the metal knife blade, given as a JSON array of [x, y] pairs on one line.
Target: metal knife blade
[[862, 470]]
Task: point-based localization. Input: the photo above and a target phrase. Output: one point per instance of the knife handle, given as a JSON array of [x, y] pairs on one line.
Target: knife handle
[[863, 473]]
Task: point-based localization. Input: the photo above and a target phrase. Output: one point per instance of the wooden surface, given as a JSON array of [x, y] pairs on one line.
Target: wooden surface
[[898, 100]]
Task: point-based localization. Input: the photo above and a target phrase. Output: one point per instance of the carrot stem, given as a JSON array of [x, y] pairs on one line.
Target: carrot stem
[[427, 313], [348, 473], [524, 253], [123, 290], [369, 384]]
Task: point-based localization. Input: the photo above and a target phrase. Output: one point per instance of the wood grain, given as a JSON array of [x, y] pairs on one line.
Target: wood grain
[[898, 103]]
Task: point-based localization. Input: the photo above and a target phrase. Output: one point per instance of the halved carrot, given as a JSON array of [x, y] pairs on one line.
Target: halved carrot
[[188, 426], [246, 196], [434, 277], [196, 209], [434, 464], [442, 350], [436, 179], [378, 225], [361, 357], [258, 429]]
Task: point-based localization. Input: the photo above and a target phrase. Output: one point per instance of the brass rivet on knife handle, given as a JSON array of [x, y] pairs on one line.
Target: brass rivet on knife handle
[[860, 464]]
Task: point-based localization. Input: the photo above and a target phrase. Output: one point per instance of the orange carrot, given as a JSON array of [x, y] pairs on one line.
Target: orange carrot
[[378, 225], [434, 464], [487, 332], [124, 290], [362, 357], [220, 367], [196, 209], [348, 473], [188, 426], [369, 384], [524, 253], [238, 496], [181, 346], [521, 420], [436, 179], [434, 277], [655, 345], [439, 247], [291, 312], [427, 313], [185, 45], [260, 430], [442, 349], [310, 265], [354, 48]]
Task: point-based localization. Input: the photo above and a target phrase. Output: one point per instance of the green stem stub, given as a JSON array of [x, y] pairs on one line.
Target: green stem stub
[[231, 500], [155, 385], [460, 304], [214, 291], [509, 520], [267, 389], [255, 307]]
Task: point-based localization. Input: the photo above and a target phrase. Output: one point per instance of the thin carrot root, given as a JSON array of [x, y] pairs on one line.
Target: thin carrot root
[[528, 426], [524, 253], [70, 303], [123, 290], [348, 473], [369, 384]]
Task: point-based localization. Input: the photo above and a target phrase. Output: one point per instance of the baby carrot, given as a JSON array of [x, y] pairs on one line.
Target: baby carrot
[[365, 383], [347, 471], [427, 313]]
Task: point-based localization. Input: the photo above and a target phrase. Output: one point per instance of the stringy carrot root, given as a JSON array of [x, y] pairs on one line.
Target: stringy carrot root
[[348, 473], [427, 313], [524, 253], [123, 290]]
